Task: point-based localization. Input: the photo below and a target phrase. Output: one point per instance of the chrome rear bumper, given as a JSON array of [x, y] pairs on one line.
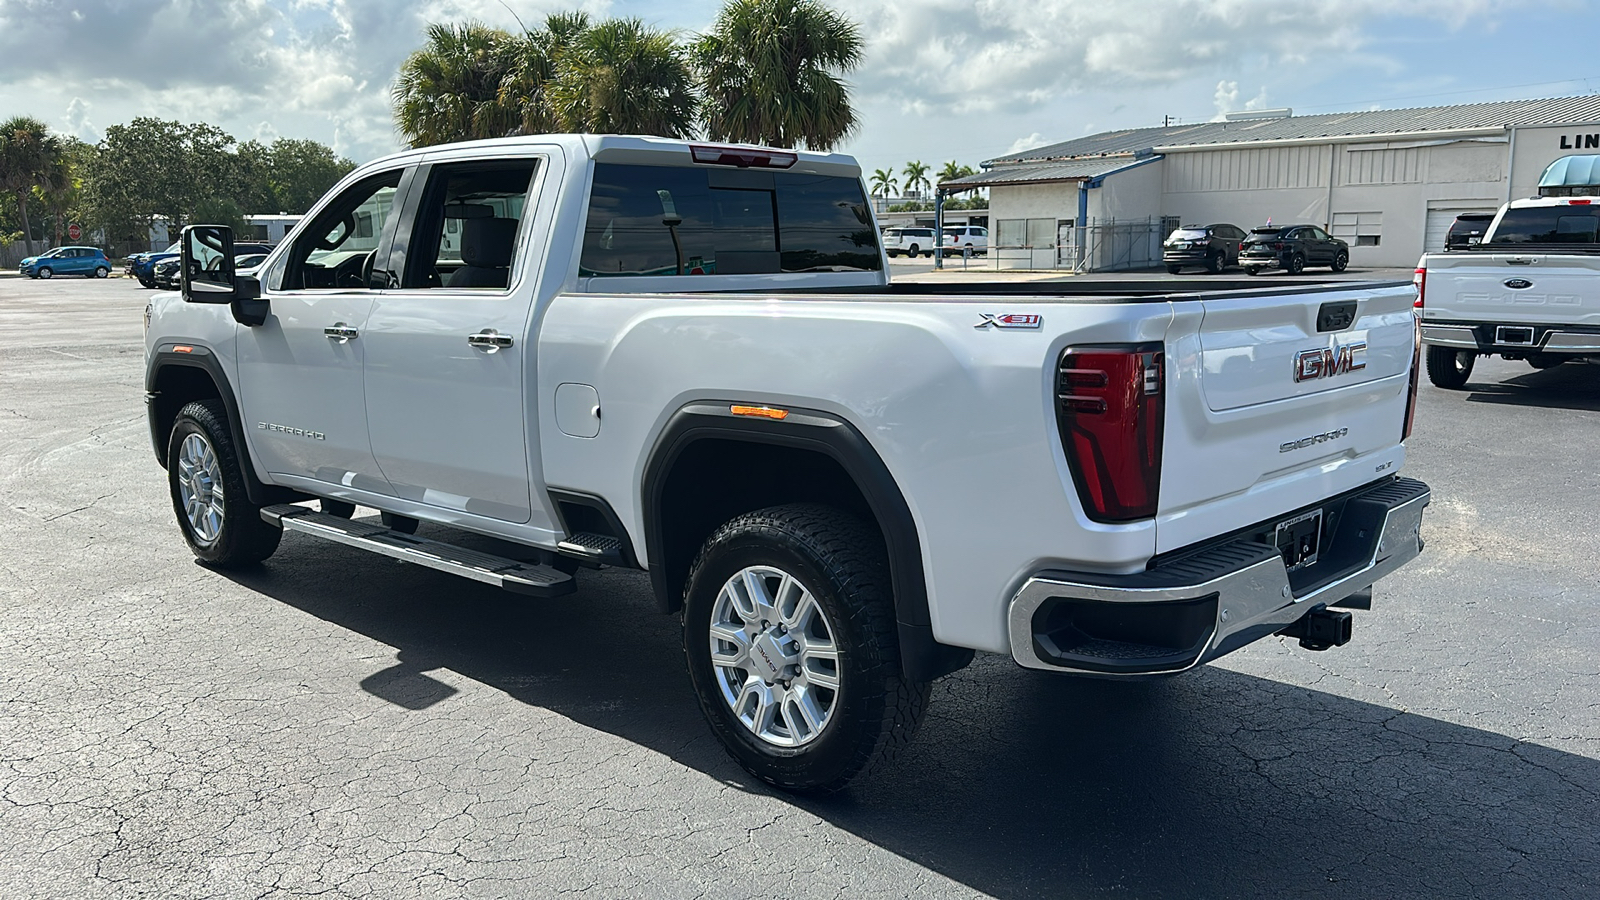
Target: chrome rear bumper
[[1202, 606], [1465, 337]]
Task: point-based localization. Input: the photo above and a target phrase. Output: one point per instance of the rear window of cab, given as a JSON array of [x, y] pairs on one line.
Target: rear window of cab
[[684, 220]]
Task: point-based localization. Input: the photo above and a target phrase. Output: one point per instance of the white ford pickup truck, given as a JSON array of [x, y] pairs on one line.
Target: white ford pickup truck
[[1529, 290], [688, 359]]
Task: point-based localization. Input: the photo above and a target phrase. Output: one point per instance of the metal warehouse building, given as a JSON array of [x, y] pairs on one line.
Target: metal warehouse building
[[1389, 182]]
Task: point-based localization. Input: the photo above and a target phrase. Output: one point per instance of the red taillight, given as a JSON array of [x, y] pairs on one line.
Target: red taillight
[[1280, 245], [743, 157], [1419, 280], [1109, 408], [1416, 372], [1585, 201]]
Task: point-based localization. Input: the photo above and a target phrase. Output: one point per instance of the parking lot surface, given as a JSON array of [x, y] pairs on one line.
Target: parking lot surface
[[337, 724]]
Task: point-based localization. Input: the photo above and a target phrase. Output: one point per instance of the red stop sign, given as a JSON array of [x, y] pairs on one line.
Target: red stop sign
[[74, 232]]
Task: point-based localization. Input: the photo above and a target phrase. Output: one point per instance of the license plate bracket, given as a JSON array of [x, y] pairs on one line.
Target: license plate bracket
[[1299, 539]]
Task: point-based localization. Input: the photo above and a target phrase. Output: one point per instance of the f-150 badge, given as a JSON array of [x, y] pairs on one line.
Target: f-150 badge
[[1010, 320], [1326, 362]]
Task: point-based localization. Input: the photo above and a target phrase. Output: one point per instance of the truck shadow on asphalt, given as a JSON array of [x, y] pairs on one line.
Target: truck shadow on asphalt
[[1023, 784], [1574, 386]]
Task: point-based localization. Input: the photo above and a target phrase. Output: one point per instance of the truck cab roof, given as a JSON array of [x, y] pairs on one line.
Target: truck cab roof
[[637, 149]]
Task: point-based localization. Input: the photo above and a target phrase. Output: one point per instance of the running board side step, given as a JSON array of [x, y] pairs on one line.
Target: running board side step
[[517, 577]]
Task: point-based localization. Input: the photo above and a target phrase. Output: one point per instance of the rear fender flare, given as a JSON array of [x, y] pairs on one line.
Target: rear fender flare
[[922, 658]]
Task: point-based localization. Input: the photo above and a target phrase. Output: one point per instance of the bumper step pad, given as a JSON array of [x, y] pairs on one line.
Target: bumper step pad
[[517, 577], [593, 548]]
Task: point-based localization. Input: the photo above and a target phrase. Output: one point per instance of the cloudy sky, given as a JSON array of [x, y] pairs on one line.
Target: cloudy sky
[[944, 79]]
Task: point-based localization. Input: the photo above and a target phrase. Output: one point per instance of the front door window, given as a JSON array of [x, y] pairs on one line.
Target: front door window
[[338, 250]]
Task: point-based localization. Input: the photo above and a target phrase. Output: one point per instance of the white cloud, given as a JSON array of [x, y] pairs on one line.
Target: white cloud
[[1026, 143], [77, 120], [958, 56], [1226, 99], [941, 79]]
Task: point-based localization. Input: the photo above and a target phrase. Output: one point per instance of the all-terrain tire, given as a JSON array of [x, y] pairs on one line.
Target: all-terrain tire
[[1450, 368], [844, 565], [242, 538]]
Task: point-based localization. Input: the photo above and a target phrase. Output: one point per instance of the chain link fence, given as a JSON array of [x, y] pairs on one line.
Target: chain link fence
[[1101, 246]]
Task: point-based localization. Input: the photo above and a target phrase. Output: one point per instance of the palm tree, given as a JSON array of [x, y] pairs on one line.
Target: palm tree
[[768, 67], [951, 171], [450, 89], [624, 77], [525, 86], [883, 183], [58, 192], [916, 173], [28, 155]]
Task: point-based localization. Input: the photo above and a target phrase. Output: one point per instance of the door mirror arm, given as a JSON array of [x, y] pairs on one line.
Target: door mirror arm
[[247, 306]]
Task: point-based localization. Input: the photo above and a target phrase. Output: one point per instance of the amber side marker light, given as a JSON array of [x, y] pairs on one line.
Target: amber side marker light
[[182, 349], [760, 412]]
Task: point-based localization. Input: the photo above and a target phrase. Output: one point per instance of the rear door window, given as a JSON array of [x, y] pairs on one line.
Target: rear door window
[[681, 220], [468, 224]]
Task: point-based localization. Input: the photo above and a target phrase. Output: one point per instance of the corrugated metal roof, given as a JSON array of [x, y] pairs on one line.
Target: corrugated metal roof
[[1381, 122], [1075, 170]]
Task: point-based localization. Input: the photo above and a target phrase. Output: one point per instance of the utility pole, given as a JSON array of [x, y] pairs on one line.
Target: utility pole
[[1166, 121]]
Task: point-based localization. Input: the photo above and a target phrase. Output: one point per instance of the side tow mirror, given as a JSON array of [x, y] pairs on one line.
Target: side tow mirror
[[209, 275]]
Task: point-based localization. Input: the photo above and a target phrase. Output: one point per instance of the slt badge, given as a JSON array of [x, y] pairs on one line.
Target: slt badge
[[1010, 320], [1329, 361]]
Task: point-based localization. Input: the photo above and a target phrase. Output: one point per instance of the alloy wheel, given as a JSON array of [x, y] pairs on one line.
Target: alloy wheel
[[200, 489], [774, 656]]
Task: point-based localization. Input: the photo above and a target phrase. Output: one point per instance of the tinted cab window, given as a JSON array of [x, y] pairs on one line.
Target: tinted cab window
[[680, 220]]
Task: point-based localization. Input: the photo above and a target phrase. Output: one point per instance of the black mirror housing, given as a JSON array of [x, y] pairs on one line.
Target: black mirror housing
[[209, 274]]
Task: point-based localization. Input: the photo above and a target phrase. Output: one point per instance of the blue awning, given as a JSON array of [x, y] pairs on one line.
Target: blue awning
[[1571, 171]]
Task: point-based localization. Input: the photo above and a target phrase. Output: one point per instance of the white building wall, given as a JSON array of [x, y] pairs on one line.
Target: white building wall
[[1134, 194], [1057, 201], [1377, 194], [1537, 148]]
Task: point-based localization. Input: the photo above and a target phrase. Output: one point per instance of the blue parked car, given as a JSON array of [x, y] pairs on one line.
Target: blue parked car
[[143, 265], [87, 261]]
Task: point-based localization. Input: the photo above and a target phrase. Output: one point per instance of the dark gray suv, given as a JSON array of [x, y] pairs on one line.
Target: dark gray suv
[[1214, 246]]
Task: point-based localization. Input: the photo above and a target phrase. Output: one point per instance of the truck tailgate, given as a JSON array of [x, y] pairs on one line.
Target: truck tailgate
[[1534, 288], [1278, 400]]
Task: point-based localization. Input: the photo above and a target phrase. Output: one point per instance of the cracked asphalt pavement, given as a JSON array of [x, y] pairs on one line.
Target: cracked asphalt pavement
[[335, 724]]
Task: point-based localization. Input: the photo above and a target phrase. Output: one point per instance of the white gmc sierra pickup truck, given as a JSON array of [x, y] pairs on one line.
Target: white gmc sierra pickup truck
[[1529, 290], [688, 359]]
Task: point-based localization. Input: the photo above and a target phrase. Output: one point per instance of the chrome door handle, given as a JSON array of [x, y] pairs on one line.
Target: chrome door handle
[[341, 332], [489, 339]]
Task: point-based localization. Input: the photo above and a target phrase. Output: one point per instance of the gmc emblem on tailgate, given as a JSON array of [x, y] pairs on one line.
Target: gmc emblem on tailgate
[[1330, 361]]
